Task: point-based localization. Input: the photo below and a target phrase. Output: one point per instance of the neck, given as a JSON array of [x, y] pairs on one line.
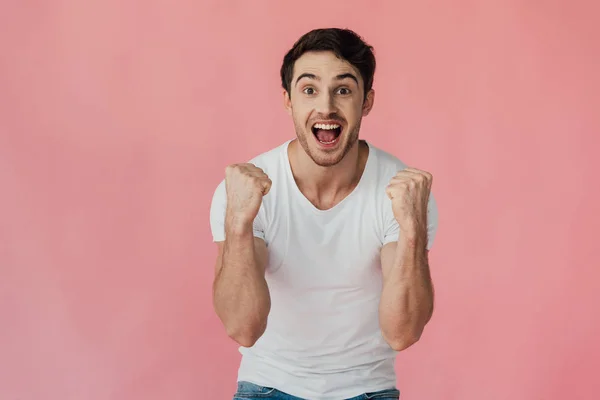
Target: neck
[[327, 181]]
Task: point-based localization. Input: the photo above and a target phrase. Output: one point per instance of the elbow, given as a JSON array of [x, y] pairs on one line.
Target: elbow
[[246, 337], [402, 336], [403, 343]]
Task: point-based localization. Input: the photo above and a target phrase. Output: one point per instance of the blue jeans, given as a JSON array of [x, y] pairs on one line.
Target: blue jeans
[[250, 391]]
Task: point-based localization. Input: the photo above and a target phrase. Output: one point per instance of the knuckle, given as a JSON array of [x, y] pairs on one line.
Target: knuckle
[[233, 167]]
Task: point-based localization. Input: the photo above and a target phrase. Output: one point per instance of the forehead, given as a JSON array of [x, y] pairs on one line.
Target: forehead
[[323, 64]]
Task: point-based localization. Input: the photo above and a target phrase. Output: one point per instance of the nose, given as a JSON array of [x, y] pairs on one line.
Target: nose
[[325, 104]]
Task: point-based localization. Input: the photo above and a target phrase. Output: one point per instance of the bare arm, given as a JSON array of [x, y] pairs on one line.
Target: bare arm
[[407, 299], [240, 294]]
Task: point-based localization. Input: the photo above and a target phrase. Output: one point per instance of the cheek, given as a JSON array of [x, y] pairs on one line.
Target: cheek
[[300, 112], [350, 107], [351, 115], [300, 119]]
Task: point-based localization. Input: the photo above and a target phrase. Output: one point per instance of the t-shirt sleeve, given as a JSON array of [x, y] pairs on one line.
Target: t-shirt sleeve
[[392, 229], [218, 208]]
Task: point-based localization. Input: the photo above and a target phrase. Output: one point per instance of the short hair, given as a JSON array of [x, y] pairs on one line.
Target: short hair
[[344, 43]]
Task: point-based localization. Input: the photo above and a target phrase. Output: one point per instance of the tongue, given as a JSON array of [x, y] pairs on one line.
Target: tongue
[[325, 135]]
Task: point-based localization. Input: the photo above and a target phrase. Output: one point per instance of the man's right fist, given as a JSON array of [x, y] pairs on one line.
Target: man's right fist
[[246, 185]]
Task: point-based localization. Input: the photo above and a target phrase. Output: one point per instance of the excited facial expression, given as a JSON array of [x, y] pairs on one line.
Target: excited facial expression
[[327, 103]]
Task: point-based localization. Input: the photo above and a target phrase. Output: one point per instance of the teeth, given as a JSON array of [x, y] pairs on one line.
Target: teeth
[[326, 126]]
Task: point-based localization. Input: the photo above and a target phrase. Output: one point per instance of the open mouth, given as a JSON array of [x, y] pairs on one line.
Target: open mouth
[[327, 134]]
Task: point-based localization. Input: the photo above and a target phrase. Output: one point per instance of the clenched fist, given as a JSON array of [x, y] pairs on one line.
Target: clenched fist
[[246, 185], [409, 191]]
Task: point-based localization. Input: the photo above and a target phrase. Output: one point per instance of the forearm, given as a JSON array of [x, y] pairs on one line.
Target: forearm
[[241, 294], [407, 298]]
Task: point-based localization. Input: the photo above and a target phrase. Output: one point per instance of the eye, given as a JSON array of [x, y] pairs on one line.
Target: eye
[[309, 91], [344, 91]]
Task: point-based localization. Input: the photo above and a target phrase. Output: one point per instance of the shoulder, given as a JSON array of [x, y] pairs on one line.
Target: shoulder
[[270, 160], [385, 163]]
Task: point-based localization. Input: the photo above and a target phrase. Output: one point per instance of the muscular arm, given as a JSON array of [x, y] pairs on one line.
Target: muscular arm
[[240, 294], [407, 299]]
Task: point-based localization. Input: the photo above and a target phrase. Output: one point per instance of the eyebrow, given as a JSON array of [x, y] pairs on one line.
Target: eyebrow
[[338, 77]]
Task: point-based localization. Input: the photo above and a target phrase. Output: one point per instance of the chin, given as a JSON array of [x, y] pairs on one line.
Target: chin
[[326, 161]]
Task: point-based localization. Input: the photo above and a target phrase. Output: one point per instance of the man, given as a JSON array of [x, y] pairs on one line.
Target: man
[[322, 273]]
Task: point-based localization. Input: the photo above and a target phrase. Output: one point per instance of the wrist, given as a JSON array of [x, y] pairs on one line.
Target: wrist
[[413, 232], [238, 224], [413, 239]]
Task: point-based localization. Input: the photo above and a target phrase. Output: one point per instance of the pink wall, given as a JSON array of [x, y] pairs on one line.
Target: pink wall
[[117, 119]]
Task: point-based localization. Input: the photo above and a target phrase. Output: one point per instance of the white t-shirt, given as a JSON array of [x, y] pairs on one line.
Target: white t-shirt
[[323, 340]]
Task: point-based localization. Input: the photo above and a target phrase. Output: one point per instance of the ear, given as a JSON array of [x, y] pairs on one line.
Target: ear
[[287, 102], [368, 103]]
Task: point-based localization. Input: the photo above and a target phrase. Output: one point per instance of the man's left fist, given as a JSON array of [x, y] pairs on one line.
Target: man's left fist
[[409, 191]]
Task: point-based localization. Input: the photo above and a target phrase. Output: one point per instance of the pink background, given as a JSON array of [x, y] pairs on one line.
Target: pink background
[[117, 119]]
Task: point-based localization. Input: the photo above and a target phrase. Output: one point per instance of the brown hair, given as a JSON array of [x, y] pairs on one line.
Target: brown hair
[[344, 43]]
